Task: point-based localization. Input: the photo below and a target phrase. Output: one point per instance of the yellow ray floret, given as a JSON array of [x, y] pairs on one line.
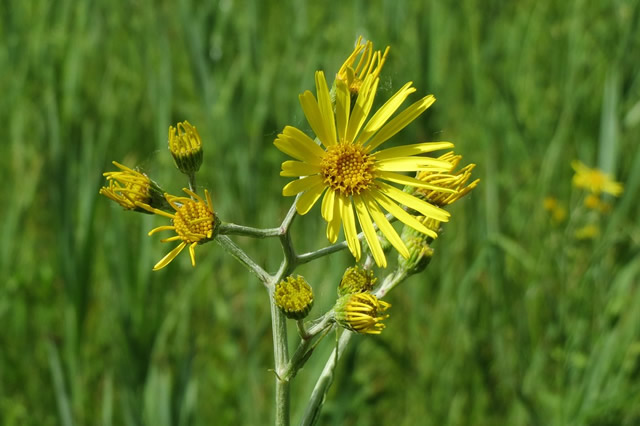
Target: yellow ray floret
[[351, 174], [194, 222]]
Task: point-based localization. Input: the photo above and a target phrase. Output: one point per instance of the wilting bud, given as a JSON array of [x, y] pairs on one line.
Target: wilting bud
[[186, 147], [356, 280], [361, 312], [128, 187], [455, 181], [369, 63], [294, 297]]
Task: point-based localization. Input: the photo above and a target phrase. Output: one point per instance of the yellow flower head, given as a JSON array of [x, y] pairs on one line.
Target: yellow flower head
[[587, 232], [361, 312], [351, 174], [453, 181], [128, 187], [370, 63], [356, 280], [594, 180], [549, 203], [186, 147], [294, 297], [194, 222]]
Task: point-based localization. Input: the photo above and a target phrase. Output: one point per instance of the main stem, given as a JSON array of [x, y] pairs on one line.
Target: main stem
[[281, 358]]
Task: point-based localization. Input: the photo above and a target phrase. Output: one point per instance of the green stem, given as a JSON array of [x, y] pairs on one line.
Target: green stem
[[281, 358], [312, 412], [247, 231], [244, 258], [192, 182]]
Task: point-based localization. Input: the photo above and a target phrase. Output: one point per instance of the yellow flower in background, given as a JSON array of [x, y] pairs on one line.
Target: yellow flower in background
[[185, 146], [128, 187], [361, 312], [594, 180], [550, 203], [453, 181], [587, 232], [557, 210], [348, 171], [369, 64], [193, 222]]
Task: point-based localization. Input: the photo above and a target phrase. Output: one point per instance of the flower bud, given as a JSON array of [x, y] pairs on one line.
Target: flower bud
[[294, 297], [186, 147], [128, 187], [356, 280], [361, 313]]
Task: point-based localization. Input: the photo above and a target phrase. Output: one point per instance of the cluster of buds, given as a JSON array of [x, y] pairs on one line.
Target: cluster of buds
[[193, 219]]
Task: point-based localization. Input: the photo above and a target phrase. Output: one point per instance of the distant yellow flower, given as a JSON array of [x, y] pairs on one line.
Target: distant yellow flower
[[185, 146], [550, 203], [370, 64], [557, 210], [127, 187], [587, 232], [350, 174], [594, 180], [452, 181], [361, 312], [193, 222]]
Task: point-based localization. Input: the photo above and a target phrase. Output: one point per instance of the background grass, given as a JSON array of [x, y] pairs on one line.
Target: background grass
[[514, 322]]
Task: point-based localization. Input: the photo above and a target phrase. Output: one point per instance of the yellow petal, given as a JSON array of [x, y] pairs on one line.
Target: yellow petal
[[382, 115], [297, 150], [369, 232], [300, 185], [314, 116], [349, 226], [326, 108], [309, 198], [366, 95], [161, 228], [417, 204], [333, 227], [302, 138], [409, 150], [170, 256], [343, 104], [410, 181], [297, 168], [327, 204], [412, 164], [400, 121], [385, 226], [192, 253], [404, 217]]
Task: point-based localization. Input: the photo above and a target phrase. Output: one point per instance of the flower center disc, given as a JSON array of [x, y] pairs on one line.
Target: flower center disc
[[193, 222], [346, 168]]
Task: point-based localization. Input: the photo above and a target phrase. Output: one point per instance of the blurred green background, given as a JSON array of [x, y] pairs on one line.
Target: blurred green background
[[515, 321]]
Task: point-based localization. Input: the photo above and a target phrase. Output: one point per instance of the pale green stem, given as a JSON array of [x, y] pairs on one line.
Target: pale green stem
[[192, 182], [243, 258], [247, 231], [281, 358], [312, 412]]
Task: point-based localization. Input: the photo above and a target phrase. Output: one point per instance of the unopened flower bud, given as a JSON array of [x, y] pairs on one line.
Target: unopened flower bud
[[128, 187], [361, 312], [294, 297], [356, 280], [186, 147]]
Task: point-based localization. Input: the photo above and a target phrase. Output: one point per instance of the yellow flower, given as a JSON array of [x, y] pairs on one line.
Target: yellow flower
[[587, 232], [550, 203], [361, 312], [193, 222], [356, 280], [127, 187], [370, 63], [452, 181], [186, 147], [594, 180], [294, 297], [351, 174]]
